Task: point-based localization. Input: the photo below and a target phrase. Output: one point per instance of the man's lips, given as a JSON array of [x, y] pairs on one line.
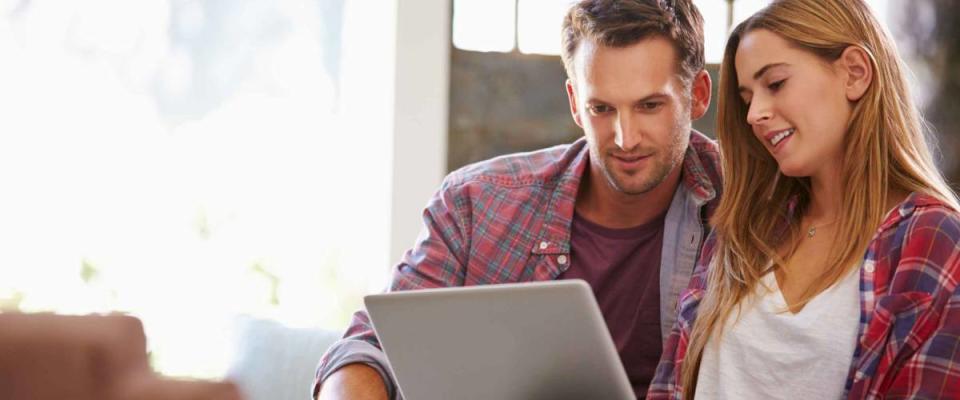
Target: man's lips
[[629, 159]]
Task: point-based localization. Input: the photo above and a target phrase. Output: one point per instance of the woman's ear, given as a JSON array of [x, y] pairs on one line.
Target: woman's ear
[[857, 68]]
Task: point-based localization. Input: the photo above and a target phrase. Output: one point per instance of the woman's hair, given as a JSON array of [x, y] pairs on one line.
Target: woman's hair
[[884, 150]]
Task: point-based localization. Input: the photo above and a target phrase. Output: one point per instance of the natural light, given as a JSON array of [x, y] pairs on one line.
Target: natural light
[[486, 25], [482, 25], [189, 162], [538, 25]]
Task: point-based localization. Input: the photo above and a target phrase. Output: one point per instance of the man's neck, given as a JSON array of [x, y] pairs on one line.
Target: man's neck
[[599, 202]]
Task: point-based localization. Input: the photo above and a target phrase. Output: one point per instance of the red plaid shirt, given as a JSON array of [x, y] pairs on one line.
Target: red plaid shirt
[[909, 336], [508, 220]]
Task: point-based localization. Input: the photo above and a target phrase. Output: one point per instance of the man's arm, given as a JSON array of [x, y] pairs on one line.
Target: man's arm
[[356, 382], [437, 260]]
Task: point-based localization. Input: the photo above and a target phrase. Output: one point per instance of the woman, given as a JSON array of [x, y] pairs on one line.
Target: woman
[[833, 267]]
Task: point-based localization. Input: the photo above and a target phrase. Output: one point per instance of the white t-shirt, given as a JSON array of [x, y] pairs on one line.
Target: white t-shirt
[[771, 353]]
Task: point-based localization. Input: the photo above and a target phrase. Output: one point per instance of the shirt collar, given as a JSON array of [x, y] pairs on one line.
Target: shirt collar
[[554, 238]]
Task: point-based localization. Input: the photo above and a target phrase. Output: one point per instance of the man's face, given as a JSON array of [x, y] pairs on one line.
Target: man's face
[[634, 111]]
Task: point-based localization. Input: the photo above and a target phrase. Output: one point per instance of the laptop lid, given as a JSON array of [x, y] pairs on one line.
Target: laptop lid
[[540, 340]]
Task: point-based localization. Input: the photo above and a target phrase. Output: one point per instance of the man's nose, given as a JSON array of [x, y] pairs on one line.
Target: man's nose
[[627, 131]]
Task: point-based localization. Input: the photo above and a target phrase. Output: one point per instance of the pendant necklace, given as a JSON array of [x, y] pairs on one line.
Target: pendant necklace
[[813, 229]]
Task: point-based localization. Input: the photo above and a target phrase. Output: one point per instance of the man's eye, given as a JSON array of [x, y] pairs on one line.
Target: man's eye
[[651, 105], [597, 109]]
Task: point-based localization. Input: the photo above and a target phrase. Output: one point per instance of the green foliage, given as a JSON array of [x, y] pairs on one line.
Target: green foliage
[[88, 272], [11, 303], [273, 280], [202, 225]]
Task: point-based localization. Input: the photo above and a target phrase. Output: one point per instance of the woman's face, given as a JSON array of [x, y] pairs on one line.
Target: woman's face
[[797, 103]]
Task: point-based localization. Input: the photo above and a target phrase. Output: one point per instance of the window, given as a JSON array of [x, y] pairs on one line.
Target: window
[[538, 25], [486, 25], [175, 160], [494, 25]]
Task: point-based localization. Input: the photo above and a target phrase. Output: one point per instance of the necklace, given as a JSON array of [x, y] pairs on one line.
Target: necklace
[[813, 228]]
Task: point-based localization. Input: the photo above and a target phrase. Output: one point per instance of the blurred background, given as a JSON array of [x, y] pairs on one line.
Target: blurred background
[[212, 166]]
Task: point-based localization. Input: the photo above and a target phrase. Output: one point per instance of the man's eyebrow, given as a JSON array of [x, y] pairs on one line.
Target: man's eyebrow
[[649, 97], [654, 96]]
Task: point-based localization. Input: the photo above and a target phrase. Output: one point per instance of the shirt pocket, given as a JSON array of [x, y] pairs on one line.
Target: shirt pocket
[[901, 323]]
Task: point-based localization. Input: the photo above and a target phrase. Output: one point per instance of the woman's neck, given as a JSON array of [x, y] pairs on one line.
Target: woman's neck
[[826, 196]]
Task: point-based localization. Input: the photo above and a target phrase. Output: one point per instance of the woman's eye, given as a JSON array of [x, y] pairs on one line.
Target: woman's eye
[[776, 85]]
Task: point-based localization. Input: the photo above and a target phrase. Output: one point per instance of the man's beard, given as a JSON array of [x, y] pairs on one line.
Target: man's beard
[[660, 164], [653, 175]]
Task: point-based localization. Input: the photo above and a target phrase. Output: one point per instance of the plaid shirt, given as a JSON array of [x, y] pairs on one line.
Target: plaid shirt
[[909, 334], [508, 220]]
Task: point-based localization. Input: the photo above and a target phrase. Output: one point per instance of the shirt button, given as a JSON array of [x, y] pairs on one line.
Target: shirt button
[[562, 260], [543, 245], [869, 268]]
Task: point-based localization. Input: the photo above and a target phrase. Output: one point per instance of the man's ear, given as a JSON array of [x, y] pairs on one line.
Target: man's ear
[[857, 68], [700, 94], [572, 97]]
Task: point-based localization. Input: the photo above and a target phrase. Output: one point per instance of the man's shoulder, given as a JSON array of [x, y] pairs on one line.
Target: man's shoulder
[[703, 144], [532, 168], [708, 152], [702, 168]]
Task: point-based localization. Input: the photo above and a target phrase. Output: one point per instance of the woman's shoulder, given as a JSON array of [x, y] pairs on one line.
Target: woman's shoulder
[[922, 218], [919, 213], [921, 244]]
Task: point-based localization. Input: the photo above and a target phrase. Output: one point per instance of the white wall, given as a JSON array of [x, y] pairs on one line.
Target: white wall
[[420, 114]]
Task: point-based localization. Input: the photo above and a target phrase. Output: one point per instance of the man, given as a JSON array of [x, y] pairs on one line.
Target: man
[[624, 208]]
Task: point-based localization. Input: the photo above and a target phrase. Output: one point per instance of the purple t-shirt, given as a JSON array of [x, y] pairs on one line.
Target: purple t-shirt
[[623, 268]]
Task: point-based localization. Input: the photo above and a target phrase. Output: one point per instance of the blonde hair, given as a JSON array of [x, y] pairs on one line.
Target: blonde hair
[[885, 149]]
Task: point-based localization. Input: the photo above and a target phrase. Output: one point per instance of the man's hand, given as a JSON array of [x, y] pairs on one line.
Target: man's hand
[[354, 382]]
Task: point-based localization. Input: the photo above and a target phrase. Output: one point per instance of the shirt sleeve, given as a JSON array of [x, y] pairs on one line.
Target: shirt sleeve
[[438, 259], [933, 372]]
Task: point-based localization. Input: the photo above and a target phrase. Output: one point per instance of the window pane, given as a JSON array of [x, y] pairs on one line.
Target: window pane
[[742, 9], [183, 161], [484, 25], [746, 8], [539, 25], [881, 8], [714, 28]]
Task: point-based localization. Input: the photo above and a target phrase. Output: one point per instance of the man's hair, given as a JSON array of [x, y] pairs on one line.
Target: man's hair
[[621, 23]]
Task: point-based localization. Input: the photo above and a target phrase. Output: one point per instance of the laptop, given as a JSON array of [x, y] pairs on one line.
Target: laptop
[[521, 341]]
